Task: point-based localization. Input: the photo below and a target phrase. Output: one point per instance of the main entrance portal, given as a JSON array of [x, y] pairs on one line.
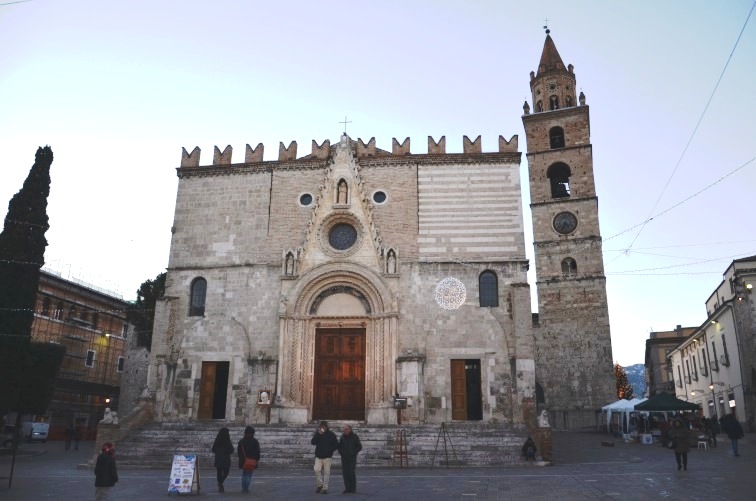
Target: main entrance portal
[[339, 385], [213, 388]]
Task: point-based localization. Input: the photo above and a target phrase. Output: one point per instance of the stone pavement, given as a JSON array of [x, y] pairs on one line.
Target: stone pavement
[[584, 469]]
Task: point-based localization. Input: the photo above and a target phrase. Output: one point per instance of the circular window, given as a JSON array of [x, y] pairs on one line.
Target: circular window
[[342, 236], [305, 199], [379, 197]]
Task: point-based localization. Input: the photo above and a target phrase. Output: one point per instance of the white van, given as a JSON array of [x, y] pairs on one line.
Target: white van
[[35, 431]]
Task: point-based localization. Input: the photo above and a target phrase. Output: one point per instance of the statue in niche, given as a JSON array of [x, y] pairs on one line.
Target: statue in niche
[[543, 419], [289, 270], [391, 262], [343, 193]]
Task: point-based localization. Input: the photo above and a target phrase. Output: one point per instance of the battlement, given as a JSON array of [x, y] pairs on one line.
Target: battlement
[[360, 148]]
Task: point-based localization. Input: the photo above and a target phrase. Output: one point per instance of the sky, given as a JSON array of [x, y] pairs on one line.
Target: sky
[[117, 89]]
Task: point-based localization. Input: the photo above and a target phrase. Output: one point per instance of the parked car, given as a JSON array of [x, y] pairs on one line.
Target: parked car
[[35, 431]]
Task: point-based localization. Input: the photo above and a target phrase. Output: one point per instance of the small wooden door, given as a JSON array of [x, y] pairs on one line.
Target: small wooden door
[[213, 388], [339, 383], [467, 404]]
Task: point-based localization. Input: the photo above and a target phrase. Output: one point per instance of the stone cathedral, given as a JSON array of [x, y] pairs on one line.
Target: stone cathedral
[[359, 284]]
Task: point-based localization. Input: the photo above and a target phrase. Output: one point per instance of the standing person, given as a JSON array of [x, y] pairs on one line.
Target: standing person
[[349, 446], [69, 436], [734, 431], [325, 443], [106, 475], [680, 437], [248, 447], [222, 448], [77, 437]]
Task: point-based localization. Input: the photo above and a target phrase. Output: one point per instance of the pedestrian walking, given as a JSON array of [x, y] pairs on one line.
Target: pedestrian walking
[[249, 454], [349, 447], [325, 443], [106, 475], [679, 436], [734, 431], [222, 448]]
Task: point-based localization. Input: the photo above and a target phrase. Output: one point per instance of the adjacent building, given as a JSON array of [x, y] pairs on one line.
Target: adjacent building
[[659, 345], [716, 366], [91, 324]]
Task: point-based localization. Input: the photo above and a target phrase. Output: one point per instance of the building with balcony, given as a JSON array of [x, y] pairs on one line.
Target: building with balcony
[[716, 366]]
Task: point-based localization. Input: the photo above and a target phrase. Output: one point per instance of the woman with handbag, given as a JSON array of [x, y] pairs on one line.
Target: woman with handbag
[[222, 448], [680, 442], [249, 455]]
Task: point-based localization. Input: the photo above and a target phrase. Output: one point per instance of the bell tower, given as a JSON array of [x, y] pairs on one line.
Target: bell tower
[[574, 369]]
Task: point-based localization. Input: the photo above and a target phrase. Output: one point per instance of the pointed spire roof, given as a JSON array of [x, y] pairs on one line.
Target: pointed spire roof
[[550, 58]]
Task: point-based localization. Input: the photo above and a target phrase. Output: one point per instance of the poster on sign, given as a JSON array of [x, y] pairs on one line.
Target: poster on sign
[[184, 474]]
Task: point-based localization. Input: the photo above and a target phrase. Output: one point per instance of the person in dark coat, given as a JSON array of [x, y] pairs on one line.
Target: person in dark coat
[[680, 437], [248, 447], [106, 475], [529, 449], [325, 443], [222, 448], [349, 447], [734, 431]]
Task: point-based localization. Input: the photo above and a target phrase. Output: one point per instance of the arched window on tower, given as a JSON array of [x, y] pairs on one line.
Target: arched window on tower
[[554, 103], [556, 137], [488, 289], [568, 101], [197, 301], [559, 175], [539, 106], [569, 267]]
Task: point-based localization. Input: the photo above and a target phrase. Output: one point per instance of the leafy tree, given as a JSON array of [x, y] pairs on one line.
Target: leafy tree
[[141, 313], [624, 388]]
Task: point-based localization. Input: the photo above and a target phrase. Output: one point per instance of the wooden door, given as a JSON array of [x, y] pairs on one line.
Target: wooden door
[[459, 390], [207, 391], [339, 383]]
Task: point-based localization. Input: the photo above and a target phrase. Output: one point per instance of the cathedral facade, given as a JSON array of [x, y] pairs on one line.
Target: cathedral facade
[[360, 284]]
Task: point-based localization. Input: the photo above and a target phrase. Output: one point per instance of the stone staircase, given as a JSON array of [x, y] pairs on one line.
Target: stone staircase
[[475, 444]]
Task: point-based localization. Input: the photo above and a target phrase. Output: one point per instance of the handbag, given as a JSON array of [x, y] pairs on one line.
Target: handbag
[[250, 464]]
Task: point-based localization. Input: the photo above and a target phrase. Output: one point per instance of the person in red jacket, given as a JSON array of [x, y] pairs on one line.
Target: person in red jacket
[[106, 475]]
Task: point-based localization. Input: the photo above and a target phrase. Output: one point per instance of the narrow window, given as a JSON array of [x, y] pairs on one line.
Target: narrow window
[[554, 103], [71, 312], [568, 101], [95, 319], [488, 289], [124, 330], [197, 303], [569, 267], [59, 311], [704, 366], [695, 368], [559, 176], [119, 367], [46, 307], [539, 106], [556, 137], [713, 362], [89, 362], [679, 377]]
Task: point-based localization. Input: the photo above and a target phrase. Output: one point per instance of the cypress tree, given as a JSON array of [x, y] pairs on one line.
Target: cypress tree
[[22, 252]]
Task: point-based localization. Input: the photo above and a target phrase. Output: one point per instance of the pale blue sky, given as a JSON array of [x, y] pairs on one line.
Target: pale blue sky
[[118, 89]]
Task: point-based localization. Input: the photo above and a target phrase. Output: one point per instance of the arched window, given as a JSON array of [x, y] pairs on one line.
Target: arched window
[[540, 396], [569, 267], [554, 103], [556, 137], [488, 289], [46, 307], [197, 303], [59, 311], [559, 175], [568, 101], [539, 106]]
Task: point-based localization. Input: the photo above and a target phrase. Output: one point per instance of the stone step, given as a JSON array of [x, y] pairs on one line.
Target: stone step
[[289, 445]]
